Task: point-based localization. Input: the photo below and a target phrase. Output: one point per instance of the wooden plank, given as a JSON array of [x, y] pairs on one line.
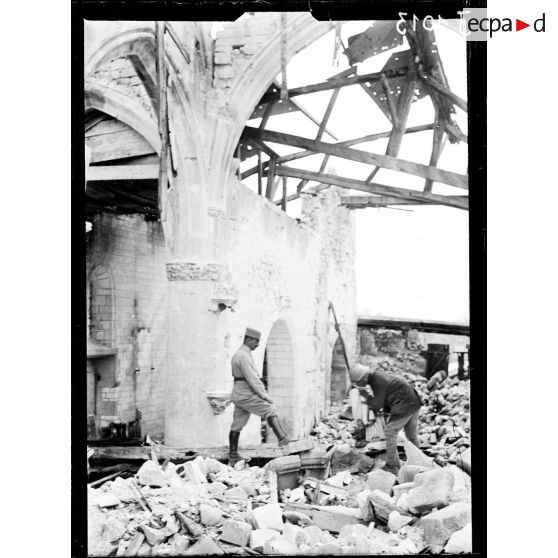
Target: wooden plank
[[346, 143], [118, 145], [360, 202], [146, 78], [332, 520], [177, 41], [441, 88], [270, 189], [122, 172], [143, 453], [162, 117], [384, 161], [284, 86], [284, 197], [437, 147], [391, 104], [333, 83], [373, 188]]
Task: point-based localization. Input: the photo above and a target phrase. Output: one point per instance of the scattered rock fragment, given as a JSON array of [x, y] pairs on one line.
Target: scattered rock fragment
[[210, 515], [396, 521], [432, 490], [381, 480], [203, 547], [236, 532], [268, 516], [461, 541], [438, 526], [258, 537]]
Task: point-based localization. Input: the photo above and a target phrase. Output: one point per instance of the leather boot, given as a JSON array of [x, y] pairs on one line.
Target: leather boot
[[234, 457], [282, 438]]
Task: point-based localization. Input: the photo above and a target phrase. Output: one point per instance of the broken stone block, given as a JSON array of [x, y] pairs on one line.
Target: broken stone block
[[361, 545], [399, 489], [249, 488], [200, 462], [362, 502], [224, 72], [153, 536], [179, 544], [461, 541], [268, 516], [295, 534], [382, 505], [314, 534], [216, 488], [438, 526], [113, 529], [381, 480], [210, 515], [464, 460], [432, 490], [212, 465], [258, 537], [135, 543], [223, 57], [144, 549], [461, 491], [193, 473], [106, 500], [236, 532], [416, 534], [379, 547], [204, 546], [297, 495], [349, 531], [407, 473], [150, 474], [406, 546], [327, 549], [403, 502], [236, 492], [396, 521], [306, 444], [240, 466], [340, 479], [281, 547]]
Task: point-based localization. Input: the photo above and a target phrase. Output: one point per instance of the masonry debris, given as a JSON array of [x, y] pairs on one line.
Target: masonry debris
[[295, 504]]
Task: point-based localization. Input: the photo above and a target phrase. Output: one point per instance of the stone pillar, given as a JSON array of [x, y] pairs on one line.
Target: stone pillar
[[194, 365]]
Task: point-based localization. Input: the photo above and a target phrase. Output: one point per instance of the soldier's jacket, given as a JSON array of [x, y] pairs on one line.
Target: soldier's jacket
[[392, 394]]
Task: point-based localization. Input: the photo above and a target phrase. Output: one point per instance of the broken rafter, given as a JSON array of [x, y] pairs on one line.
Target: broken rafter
[[384, 161], [437, 147], [441, 88], [360, 202], [461, 202], [270, 189], [333, 84], [391, 104], [346, 143], [122, 172]]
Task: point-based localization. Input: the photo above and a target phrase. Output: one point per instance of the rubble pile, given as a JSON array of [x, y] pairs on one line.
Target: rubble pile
[[204, 507], [444, 430]]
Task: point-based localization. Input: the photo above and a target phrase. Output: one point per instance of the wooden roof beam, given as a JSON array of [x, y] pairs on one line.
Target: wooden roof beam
[[460, 202], [333, 84], [384, 161], [346, 143]]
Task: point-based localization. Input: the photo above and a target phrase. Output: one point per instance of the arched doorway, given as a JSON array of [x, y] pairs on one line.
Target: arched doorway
[[339, 373], [278, 375]]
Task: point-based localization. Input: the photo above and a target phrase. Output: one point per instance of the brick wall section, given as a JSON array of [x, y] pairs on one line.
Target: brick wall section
[[134, 251], [119, 74], [235, 44]]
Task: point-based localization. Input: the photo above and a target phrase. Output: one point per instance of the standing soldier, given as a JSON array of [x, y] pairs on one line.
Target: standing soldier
[[249, 396]]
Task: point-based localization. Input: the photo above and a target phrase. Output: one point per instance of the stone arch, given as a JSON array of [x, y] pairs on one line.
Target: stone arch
[[279, 355], [249, 87], [101, 306]]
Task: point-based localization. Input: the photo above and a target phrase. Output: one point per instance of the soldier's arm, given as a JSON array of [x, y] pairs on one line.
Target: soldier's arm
[[252, 378]]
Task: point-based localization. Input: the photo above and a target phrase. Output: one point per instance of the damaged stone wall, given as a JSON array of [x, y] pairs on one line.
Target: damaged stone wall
[[288, 270], [134, 251]]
